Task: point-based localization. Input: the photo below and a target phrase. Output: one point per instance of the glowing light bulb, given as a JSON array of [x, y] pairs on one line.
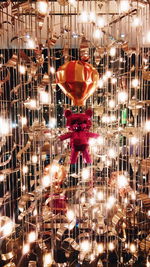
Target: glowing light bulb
[[4, 127], [110, 202], [2, 177], [32, 237], [23, 121], [92, 17], [70, 215], [85, 174], [135, 83], [112, 153], [148, 213], [22, 69], [46, 181], [112, 51], [7, 228], [124, 6], [122, 181], [108, 73], [85, 246], [52, 70], [100, 22], [83, 17], [147, 126], [97, 34], [25, 169], [92, 201], [105, 118], [100, 83], [42, 7], [100, 248], [100, 140], [132, 248], [148, 37], [73, 3], [44, 97], [136, 22], [133, 196], [111, 246], [25, 249], [111, 103], [122, 96], [52, 123], [30, 44], [47, 259], [113, 80], [92, 142], [34, 159], [100, 195], [134, 140], [54, 168]]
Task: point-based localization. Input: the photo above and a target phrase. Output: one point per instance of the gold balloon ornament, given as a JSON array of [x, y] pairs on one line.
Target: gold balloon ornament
[[78, 80]]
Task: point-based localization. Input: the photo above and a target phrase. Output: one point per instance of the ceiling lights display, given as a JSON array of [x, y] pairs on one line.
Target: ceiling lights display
[[75, 133]]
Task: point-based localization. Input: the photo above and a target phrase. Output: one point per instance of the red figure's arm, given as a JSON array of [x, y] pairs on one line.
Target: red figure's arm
[[65, 136], [92, 135]]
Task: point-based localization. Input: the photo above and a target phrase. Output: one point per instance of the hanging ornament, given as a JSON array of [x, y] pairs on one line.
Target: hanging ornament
[[79, 124], [78, 80]]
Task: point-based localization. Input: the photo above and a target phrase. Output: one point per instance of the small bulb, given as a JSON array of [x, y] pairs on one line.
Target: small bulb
[[122, 181], [100, 248], [25, 249], [22, 69], [147, 126], [122, 97], [135, 83], [54, 168], [134, 140], [85, 246], [85, 174], [92, 17], [47, 259], [112, 153], [92, 142], [52, 123], [105, 118], [52, 70], [30, 44], [32, 237], [92, 201], [108, 73], [2, 177], [7, 228], [83, 17], [34, 159], [73, 3], [136, 22], [132, 248], [148, 213], [25, 169], [113, 80], [44, 97], [111, 103], [97, 34], [46, 181], [4, 127], [100, 22], [100, 83], [100, 195], [112, 51], [70, 215], [111, 246], [124, 6], [42, 7], [82, 199], [110, 202], [23, 121], [100, 140], [133, 196]]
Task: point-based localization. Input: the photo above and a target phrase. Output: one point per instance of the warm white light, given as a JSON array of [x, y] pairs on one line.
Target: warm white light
[[110, 202], [100, 195], [30, 44], [122, 96], [46, 181], [100, 140], [112, 51], [112, 153], [97, 34], [92, 17], [70, 215], [108, 73], [100, 248], [52, 70], [136, 22], [54, 168], [134, 140], [92, 201], [112, 118], [92, 142], [85, 246], [100, 22], [83, 17], [47, 259], [135, 83], [22, 69], [34, 159], [148, 213], [147, 126], [23, 121], [133, 196], [2, 177], [52, 123], [132, 248], [25, 169], [85, 174], [122, 181], [4, 126], [73, 3], [113, 80], [148, 37], [44, 97], [111, 246], [100, 83], [111, 103], [32, 237], [25, 248], [42, 7], [105, 118], [82, 199], [7, 228], [124, 6]]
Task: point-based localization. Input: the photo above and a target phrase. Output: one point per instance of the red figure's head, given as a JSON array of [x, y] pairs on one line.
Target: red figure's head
[[78, 122]]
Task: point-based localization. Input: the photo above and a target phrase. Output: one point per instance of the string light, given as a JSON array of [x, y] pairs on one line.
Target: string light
[[100, 22], [112, 51], [70, 215], [85, 246], [22, 69], [122, 97], [32, 237], [42, 7], [85, 174], [25, 249], [100, 248], [135, 83], [97, 34], [124, 6], [111, 246]]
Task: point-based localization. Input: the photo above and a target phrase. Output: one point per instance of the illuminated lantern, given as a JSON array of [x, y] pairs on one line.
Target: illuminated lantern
[[78, 80]]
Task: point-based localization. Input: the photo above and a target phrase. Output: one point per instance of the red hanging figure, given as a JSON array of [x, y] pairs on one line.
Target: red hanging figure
[[79, 124]]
